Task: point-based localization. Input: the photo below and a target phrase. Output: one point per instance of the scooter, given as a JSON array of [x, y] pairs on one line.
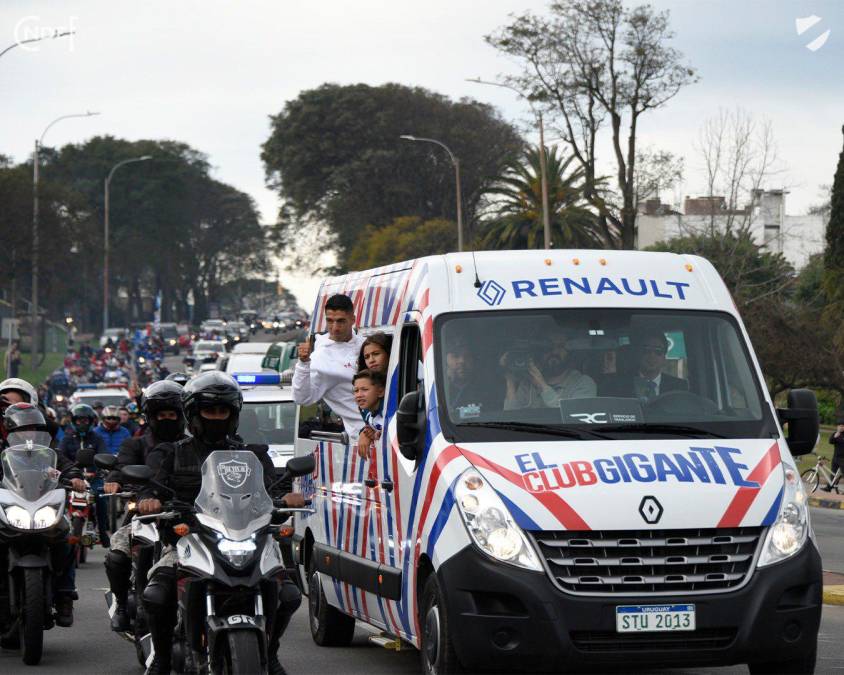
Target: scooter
[[228, 562], [83, 531]]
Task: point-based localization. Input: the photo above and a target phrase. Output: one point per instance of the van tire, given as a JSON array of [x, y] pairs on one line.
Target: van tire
[[802, 665], [436, 651], [329, 626]]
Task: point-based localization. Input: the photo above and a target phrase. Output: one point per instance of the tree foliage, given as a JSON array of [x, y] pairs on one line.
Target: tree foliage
[[515, 213], [405, 238], [174, 229], [336, 160], [833, 275], [594, 64]]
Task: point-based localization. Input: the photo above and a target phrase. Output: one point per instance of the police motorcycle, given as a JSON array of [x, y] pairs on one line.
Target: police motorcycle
[[228, 559], [32, 518], [146, 550]]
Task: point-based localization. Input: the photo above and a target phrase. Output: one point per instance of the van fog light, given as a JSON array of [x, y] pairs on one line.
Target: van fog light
[[489, 522]]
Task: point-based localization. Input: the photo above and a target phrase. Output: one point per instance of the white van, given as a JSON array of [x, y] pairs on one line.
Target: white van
[[587, 470]]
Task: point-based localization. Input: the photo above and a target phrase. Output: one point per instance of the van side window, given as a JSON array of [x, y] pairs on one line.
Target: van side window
[[410, 358]]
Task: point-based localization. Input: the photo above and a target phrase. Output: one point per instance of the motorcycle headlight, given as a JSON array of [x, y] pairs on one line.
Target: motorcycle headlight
[[489, 523], [791, 528], [237, 553], [45, 517], [18, 517]]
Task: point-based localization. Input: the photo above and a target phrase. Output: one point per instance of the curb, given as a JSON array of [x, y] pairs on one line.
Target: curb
[[833, 595], [821, 503]]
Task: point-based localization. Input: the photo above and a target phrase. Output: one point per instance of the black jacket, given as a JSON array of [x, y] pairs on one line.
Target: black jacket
[[134, 450], [624, 386], [178, 466], [838, 444]]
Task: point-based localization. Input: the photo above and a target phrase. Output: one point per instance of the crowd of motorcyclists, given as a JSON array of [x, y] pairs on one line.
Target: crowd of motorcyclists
[[176, 427]]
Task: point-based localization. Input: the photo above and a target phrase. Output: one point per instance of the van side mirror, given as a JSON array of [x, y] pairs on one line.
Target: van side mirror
[[802, 419], [410, 424], [103, 460]]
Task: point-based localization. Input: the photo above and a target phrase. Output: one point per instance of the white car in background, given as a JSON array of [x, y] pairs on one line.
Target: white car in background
[[241, 363], [268, 416], [107, 394]]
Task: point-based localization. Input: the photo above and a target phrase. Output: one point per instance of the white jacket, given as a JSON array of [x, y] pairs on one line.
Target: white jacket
[[328, 376]]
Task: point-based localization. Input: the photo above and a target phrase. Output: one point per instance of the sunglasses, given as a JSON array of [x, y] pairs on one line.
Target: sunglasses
[[111, 419]]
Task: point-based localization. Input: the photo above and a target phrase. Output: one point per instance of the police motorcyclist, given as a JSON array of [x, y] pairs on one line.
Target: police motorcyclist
[[212, 402], [18, 419], [81, 434], [162, 406]]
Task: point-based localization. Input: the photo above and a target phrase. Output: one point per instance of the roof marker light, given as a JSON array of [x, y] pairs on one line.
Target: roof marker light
[[458, 268], [548, 261], [576, 261], [689, 268]]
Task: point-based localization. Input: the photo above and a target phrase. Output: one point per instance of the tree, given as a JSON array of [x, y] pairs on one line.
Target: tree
[[405, 238], [833, 275], [516, 206], [739, 153], [336, 160], [594, 63], [657, 170]]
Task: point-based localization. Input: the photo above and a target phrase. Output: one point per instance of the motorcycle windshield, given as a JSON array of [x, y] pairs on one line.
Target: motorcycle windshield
[[233, 499], [41, 438], [30, 471]]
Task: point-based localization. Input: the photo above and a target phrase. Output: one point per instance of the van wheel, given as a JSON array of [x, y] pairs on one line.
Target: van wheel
[[802, 665], [437, 651], [329, 626]]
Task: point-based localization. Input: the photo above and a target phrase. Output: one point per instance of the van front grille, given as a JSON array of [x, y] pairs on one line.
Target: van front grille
[[649, 561]]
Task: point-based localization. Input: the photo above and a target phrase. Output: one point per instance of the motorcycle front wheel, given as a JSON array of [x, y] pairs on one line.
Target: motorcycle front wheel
[[242, 654], [32, 616]]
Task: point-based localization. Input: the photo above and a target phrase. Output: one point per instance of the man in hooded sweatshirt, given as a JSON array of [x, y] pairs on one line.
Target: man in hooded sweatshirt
[[326, 374]]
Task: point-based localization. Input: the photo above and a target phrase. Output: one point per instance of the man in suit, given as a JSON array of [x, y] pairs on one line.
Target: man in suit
[[647, 380]]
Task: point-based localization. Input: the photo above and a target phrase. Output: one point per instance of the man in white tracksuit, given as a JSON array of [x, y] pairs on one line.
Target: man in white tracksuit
[[327, 373]]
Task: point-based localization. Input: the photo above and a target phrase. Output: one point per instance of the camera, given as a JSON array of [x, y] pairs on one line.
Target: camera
[[517, 359]]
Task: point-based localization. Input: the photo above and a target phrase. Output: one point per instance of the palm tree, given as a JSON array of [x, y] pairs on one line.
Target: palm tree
[[516, 203]]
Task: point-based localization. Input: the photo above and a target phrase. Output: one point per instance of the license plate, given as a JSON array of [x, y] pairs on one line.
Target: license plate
[[654, 618]]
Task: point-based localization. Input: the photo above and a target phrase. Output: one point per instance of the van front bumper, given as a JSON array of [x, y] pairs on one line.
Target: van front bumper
[[506, 618]]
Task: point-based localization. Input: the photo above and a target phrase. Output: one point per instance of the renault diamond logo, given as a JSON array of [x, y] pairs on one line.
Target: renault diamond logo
[[491, 293], [650, 509]]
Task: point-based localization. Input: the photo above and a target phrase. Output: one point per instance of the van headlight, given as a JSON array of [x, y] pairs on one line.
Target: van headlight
[[18, 517], [791, 528], [489, 522], [45, 517], [237, 553]]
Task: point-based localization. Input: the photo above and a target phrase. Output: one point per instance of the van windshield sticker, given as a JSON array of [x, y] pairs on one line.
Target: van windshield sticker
[[699, 465], [469, 411]]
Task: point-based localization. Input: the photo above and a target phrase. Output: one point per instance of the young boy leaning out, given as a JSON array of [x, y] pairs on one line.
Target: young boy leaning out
[[369, 387]]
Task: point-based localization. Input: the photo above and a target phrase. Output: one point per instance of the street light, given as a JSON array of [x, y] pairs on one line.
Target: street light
[[56, 34], [456, 163], [144, 158], [33, 310], [543, 169]]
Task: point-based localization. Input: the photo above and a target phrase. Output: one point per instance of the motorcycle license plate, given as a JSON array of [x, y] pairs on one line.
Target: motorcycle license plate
[[654, 618]]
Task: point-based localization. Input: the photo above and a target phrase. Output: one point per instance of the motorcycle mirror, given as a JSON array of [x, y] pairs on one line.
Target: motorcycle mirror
[[103, 460], [301, 466], [139, 473], [85, 457]]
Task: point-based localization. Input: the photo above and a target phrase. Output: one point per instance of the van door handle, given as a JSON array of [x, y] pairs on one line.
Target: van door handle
[[387, 485], [370, 482]]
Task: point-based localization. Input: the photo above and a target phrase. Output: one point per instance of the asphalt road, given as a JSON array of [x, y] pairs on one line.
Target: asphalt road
[[829, 530]]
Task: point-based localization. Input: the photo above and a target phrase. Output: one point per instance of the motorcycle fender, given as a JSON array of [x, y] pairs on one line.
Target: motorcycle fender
[[29, 561], [218, 627], [144, 531], [271, 560], [194, 555]]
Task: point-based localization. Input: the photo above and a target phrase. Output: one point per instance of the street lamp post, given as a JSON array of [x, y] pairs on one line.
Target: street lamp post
[[456, 163], [543, 168], [106, 230], [33, 310], [55, 34]]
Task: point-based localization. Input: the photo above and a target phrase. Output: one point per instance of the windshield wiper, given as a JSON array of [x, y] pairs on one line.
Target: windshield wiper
[[536, 429], [676, 429]]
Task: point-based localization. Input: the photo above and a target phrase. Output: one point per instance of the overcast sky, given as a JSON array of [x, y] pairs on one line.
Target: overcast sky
[[210, 72]]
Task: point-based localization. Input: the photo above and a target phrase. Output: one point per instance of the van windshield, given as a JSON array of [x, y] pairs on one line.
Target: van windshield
[[589, 373]]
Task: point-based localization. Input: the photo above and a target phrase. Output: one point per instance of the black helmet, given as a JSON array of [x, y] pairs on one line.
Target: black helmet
[[164, 395], [79, 412], [179, 378], [213, 388], [24, 417]]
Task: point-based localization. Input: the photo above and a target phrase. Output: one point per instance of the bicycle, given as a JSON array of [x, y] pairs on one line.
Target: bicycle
[[812, 477]]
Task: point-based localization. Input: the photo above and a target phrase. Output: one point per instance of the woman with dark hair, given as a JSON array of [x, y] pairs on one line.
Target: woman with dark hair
[[375, 353]]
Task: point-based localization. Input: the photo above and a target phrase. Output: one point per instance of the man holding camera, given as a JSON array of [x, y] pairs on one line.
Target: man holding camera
[[546, 383]]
